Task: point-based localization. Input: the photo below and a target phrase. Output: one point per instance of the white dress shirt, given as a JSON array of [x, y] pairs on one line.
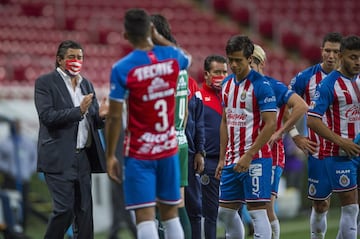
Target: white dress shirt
[[77, 97]]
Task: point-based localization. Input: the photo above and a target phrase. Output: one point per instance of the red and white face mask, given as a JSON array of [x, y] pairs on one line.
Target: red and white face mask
[[73, 66], [216, 82]]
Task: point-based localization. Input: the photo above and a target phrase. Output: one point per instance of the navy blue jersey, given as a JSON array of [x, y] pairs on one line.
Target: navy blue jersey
[[212, 120], [195, 122]]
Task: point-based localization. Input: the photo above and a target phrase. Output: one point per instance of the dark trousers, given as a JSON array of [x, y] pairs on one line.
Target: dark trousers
[[72, 201], [210, 197], [193, 199]]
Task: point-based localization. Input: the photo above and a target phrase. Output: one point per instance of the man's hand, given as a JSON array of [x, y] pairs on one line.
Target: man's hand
[[305, 144], [113, 169], [275, 137], [104, 108], [219, 169], [86, 102], [350, 148], [199, 163], [243, 164]]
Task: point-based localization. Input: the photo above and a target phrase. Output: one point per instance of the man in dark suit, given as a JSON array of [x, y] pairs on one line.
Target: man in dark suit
[[69, 147]]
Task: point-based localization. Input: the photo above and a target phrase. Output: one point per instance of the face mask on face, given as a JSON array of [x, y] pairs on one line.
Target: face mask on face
[[73, 66], [216, 82]]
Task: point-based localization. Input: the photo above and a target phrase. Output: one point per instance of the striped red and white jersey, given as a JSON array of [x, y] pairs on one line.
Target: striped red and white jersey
[[339, 98], [243, 103], [304, 84]]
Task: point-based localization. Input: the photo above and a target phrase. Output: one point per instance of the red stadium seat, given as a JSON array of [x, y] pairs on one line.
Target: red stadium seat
[[290, 39], [240, 13], [310, 51], [221, 6]]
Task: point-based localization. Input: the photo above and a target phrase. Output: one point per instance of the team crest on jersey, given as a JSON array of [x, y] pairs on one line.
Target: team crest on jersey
[[243, 95], [312, 190], [344, 180]]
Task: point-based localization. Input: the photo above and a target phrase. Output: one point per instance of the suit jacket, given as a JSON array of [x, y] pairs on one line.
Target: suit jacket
[[59, 121]]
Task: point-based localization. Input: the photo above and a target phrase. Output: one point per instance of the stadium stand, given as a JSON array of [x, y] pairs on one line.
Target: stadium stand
[[295, 25], [31, 30]]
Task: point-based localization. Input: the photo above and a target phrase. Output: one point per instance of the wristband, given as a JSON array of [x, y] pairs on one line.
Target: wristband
[[293, 132]]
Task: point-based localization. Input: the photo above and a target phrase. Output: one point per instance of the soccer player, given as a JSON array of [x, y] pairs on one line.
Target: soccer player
[[248, 121], [146, 78], [284, 97], [181, 114], [304, 84], [338, 96]]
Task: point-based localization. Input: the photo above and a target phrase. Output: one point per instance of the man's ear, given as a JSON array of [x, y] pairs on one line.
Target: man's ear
[[206, 74], [58, 59]]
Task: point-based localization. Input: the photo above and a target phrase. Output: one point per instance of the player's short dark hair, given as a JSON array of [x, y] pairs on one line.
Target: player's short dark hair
[[240, 43], [334, 37], [163, 27], [137, 24], [212, 58], [63, 47], [351, 42]]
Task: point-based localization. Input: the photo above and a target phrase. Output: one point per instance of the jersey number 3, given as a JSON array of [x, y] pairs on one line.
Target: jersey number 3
[[161, 106]]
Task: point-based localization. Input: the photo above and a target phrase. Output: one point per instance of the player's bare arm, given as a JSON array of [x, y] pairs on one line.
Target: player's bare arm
[[113, 126], [305, 144], [316, 124], [298, 109], [223, 144]]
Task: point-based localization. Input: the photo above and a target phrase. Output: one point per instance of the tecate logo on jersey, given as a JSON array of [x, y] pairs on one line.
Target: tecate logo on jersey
[[154, 70]]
